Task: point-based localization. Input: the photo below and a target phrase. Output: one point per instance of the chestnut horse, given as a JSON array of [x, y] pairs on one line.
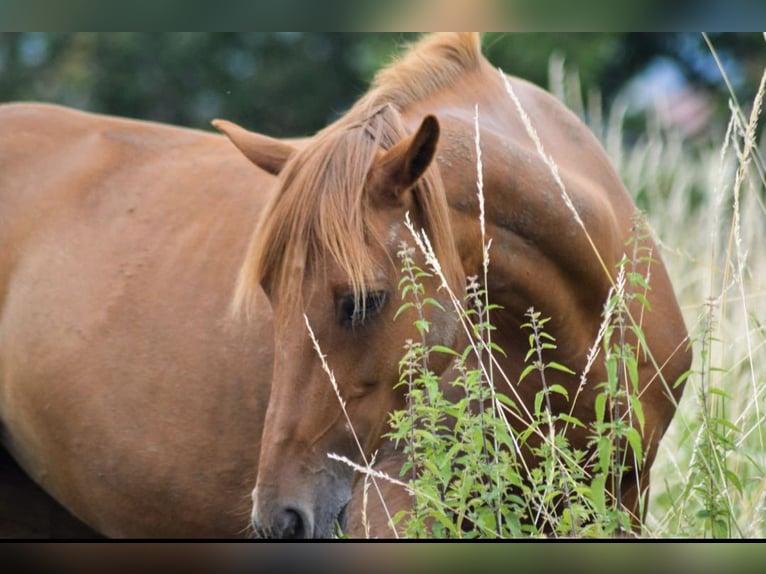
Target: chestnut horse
[[132, 394]]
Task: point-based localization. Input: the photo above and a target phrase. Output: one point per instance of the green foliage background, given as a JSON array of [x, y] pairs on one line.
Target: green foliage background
[[288, 84]]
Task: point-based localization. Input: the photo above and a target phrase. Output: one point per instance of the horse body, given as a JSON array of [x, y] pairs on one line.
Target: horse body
[[129, 395], [125, 392]]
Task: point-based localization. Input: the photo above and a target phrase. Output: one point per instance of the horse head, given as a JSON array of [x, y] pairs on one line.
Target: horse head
[[325, 253]]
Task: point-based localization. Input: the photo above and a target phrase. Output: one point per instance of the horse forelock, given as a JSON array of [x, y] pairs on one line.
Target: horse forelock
[[320, 209]]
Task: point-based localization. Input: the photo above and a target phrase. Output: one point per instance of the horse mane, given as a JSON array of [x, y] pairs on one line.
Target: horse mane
[[320, 211], [433, 63]]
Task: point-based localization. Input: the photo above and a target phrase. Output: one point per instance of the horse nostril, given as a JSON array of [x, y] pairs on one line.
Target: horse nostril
[[290, 523]]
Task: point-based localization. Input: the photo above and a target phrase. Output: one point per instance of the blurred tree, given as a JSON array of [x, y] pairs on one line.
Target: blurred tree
[[294, 83], [278, 83]]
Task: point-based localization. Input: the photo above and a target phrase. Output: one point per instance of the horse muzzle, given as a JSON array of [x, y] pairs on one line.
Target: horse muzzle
[[293, 518]]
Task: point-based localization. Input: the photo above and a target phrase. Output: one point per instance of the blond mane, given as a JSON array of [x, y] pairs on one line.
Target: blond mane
[[320, 209]]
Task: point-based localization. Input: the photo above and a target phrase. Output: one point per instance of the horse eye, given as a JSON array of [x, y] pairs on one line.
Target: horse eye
[[354, 315]]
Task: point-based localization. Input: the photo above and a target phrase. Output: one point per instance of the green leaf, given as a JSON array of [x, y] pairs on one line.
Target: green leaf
[[422, 326], [558, 389], [632, 367], [403, 308], [571, 420], [433, 302], [611, 369], [445, 350], [638, 410], [643, 300], [600, 407], [680, 380], [559, 367], [528, 369], [604, 448], [732, 477], [641, 336], [597, 493], [505, 400], [638, 279], [634, 440], [498, 349], [719, 392], [720, 528]]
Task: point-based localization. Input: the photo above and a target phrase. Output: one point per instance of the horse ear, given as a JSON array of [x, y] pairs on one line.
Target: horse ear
[[267, 153], [405, 163]]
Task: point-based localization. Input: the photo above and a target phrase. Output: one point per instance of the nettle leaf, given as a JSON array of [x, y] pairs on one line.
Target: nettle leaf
[[571, 420], [403, 308], [558, 389], [604, 448], [526, 433], [680, 380], [445, 350], [600, 407], [634, 440], [727, 424], [559, 367], [640, 335], [638, 410], [446, 525], [505, 400], [611, 368], [498, 349], [528, 369], [539, 401], [732, 477], [643, 300], [433, 302], [719, 392], [597, 492], [636, 278], [632, 366], [720, 528]]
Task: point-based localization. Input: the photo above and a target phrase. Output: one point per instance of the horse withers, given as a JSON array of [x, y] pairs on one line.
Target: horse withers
[[135, 397]]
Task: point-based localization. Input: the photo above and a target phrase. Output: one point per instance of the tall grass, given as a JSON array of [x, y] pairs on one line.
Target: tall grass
[[704, 204]]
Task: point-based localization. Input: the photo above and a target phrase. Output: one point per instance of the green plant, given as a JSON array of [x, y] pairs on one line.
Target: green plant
[[473, 473]]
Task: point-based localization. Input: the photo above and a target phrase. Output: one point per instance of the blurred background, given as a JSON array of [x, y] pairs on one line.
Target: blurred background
[[674, 115], [293, 83]]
